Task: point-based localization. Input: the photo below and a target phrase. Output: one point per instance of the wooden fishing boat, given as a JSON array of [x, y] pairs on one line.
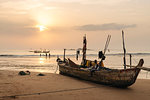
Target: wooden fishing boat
[[103, 75], [113, 77]]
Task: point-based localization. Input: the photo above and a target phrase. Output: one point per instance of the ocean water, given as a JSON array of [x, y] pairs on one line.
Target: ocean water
[[22, 60]]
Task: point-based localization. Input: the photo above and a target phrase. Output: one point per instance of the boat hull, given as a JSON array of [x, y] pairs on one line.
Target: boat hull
[[113, 77]]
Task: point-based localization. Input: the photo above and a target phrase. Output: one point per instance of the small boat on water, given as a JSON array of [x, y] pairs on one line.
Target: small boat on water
[[114, 77]]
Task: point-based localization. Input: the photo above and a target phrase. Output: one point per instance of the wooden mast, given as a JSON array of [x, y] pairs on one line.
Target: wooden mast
[[84, 49], [130, 60], [64, 54], [124, 58]]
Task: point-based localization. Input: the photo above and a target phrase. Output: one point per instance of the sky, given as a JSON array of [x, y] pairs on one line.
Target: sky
[[58, 24]]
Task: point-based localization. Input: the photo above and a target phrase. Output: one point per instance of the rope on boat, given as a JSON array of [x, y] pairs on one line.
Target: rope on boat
[[39, 93], [56, 69], [147, 74], [107, 43], [134, 60]]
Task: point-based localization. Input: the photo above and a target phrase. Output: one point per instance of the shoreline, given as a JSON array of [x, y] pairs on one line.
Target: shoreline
[[17, 70], [56, 86], [57, 72]]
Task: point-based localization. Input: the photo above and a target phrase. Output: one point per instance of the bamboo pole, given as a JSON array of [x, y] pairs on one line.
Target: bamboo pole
[[64, 54], [106, 46], [124, 58], [130, 60], [107, 43]]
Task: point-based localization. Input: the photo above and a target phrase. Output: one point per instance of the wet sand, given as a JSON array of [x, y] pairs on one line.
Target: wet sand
[[59, 87]]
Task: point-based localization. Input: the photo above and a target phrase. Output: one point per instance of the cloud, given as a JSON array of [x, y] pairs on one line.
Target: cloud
[[109, 26], [16, 29]]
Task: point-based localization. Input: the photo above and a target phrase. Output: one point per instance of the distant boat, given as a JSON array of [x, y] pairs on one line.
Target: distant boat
[[45, 51], [40, 51], [113, 77]]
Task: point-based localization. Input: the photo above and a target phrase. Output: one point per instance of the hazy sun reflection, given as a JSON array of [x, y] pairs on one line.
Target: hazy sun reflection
[[41, 60]]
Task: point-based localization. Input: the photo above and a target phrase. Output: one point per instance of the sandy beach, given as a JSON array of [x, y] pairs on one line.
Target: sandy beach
[[56, 87]]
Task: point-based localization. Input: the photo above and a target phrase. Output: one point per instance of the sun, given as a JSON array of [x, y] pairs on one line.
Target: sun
[[41, 27]]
